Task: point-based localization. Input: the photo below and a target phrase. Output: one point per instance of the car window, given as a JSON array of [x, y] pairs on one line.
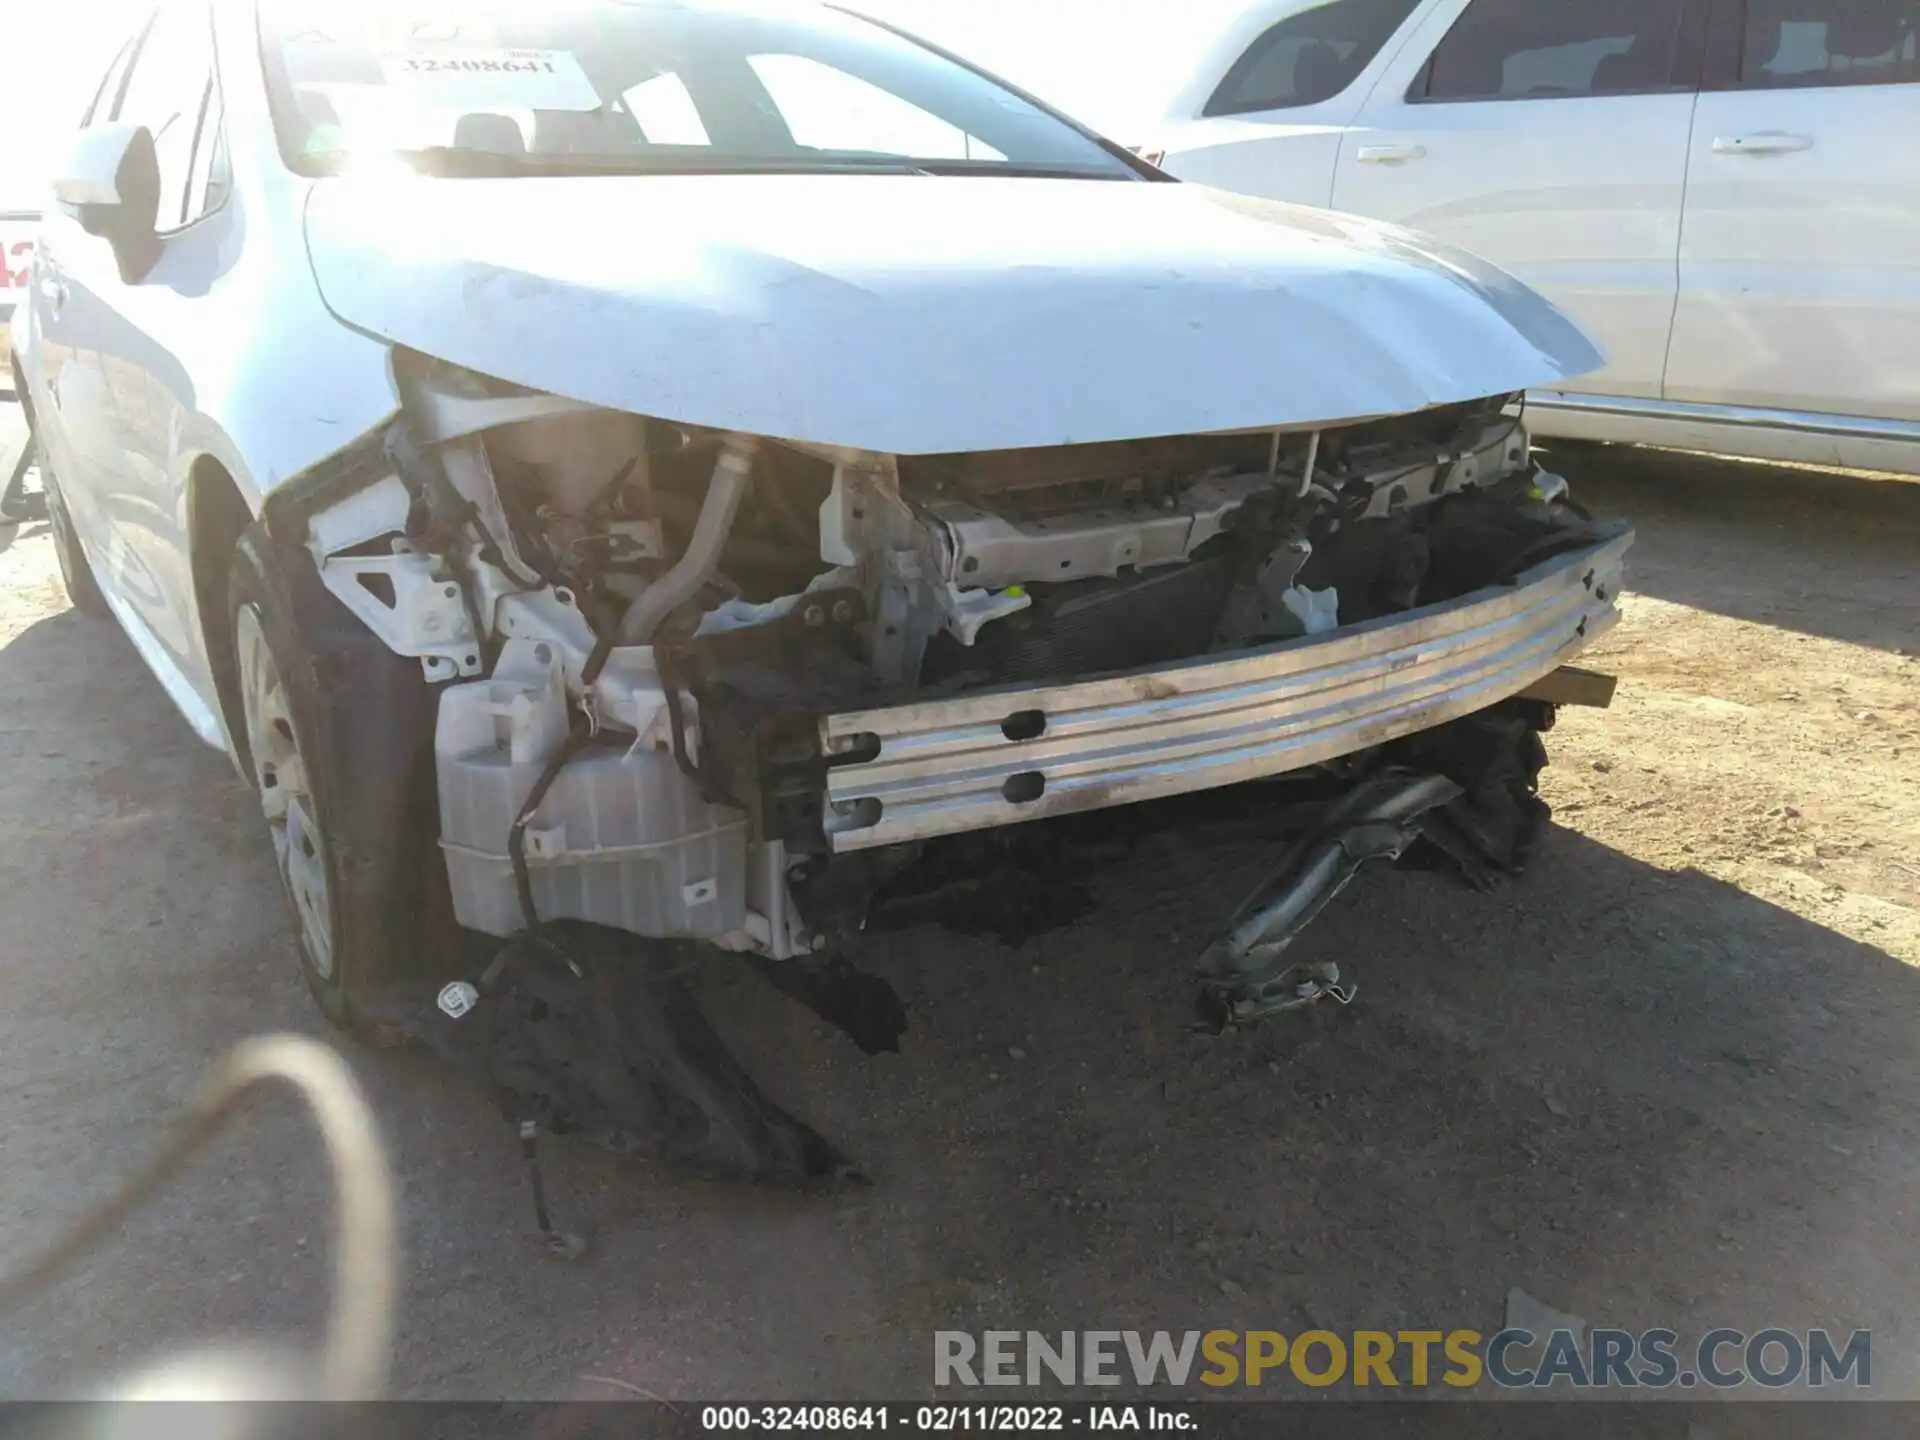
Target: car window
[[665, 112], [1309, 56], [1526, 50], [212, 175], [1792, 43], [167, 92], [104, 98], [640, 86], [829, 109]]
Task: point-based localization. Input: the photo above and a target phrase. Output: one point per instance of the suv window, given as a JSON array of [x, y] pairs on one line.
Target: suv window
[[1526, 50], [1309, 56], [1791, 43], [167, 93]]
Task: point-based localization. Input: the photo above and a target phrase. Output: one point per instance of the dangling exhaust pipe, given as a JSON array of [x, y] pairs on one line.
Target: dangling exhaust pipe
[[1244, 975]]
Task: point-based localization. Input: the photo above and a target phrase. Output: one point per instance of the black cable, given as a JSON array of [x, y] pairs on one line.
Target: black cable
[[576, 741], [615, 485], [451, 516], [597, 657], [604, 641]]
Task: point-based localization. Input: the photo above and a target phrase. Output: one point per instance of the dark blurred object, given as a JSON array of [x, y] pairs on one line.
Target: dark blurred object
[[585, 1030], [18, 505]]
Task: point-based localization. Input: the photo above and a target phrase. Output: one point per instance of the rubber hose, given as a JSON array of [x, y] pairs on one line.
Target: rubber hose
[[731, 474]]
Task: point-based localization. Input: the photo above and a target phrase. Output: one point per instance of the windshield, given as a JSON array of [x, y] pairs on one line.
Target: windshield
[[639, 86]]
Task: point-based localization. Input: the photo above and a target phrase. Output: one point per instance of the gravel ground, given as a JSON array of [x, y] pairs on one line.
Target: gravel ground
[[1668, 1078]]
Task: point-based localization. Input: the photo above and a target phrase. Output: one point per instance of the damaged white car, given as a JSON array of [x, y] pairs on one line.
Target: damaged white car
[[647, 474]]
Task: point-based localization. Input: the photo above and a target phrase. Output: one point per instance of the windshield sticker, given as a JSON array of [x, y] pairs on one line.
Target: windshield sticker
[[473, 79]]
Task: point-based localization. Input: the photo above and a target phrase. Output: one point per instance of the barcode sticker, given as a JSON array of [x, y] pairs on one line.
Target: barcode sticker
[[476, 80]]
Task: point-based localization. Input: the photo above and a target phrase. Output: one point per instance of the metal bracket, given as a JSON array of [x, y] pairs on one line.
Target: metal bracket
[[380, 509], [1490, 460], [964, 613], [988, 550], [426, 617], [1570, 685]]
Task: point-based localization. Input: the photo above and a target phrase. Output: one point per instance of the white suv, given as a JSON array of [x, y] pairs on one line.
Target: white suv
[[1723, 193]]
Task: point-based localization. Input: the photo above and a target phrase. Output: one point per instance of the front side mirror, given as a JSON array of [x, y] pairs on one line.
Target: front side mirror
[[111, 185]]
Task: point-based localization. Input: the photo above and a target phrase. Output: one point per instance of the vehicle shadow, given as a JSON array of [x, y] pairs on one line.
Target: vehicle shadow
[[1645, 1097], [1822, 552], [15, 530]]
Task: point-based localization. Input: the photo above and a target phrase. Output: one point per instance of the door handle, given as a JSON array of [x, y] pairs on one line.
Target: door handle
[[1389, 154], [54, 291], [1765, 142]]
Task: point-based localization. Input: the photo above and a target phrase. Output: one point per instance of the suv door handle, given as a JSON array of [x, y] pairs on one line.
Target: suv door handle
[[1764, 142], [54, 291], [1389, 154]]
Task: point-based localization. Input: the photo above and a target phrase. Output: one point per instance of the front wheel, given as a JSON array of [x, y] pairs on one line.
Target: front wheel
[[336, 733], [282, 779]]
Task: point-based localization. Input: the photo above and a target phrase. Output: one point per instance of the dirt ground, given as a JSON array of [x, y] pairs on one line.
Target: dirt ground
[[1672, 1077]]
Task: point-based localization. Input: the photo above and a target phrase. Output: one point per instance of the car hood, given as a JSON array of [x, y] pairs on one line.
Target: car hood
[[913, 314]]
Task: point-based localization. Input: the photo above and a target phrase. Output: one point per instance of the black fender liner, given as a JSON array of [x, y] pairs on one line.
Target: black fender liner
[[587, 1030], [356, 466], [372, 763]]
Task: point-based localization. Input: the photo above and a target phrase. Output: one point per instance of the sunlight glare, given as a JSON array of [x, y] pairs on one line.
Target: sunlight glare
[[55, 55]]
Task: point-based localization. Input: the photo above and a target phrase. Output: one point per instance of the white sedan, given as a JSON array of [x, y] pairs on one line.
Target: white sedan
[[1723, 195], [654, 464]]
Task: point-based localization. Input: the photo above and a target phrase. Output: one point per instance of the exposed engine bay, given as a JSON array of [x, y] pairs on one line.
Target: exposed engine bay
[[681, 687], [644, 632]]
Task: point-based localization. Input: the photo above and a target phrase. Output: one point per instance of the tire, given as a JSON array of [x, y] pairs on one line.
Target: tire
[[336, 733], [76, 574]]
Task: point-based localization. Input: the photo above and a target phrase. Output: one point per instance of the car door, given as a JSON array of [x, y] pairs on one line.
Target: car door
[[1800, 263], [73, 413], [132, 326], [1552, 140], [1271, 125]]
